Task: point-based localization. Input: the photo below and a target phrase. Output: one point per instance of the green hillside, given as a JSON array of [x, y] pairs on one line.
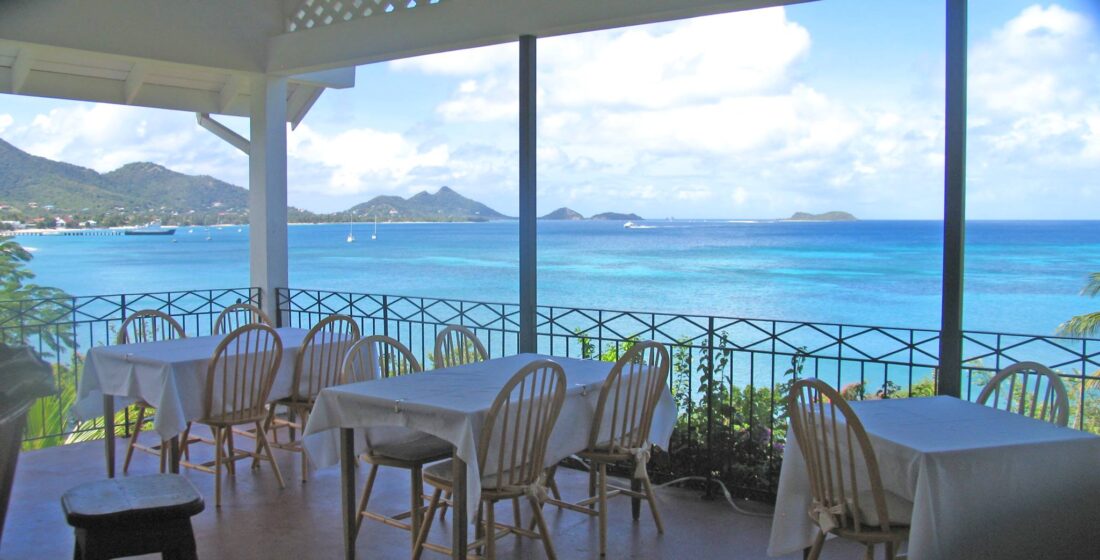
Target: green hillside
[[38, 190]]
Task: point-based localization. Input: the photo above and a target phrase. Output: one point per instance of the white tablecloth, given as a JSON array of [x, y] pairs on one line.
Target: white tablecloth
[[984, 483], [451, 404], [169, 374]]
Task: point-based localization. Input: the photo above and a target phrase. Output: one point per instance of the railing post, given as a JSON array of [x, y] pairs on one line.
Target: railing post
[[386, 315], [710, 409]]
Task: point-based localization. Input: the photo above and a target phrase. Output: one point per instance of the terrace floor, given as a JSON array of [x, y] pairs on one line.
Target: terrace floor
[[257, 520]]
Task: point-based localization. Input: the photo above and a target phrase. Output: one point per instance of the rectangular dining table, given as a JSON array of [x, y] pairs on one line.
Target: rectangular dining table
[[451, 404], [984, 483], [169, 375]]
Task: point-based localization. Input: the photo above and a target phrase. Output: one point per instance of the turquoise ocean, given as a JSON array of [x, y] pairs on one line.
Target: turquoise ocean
[[1021, 276]]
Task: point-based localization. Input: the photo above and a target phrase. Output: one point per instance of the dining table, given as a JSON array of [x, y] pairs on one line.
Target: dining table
[[983, 482], [170, 375], [451, 404]]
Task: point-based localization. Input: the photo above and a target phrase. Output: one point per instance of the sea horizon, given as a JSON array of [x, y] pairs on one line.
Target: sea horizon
[[1022, 276]]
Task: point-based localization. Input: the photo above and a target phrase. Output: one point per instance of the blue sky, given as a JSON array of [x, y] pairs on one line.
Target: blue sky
[[821, 106]]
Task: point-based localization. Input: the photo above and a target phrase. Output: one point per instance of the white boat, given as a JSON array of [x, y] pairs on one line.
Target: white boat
[[628, 225], [351, 236], [375, 234], [152, 228]]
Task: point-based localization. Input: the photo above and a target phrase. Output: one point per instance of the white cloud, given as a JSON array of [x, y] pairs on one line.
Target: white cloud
[[360, 159], [105, 137], [5, 122]]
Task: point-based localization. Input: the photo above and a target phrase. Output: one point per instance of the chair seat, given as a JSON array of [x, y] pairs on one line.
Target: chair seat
[[899, 509], [135, 499], [604, 455], [232, 419], [442, 472], [423, 448]]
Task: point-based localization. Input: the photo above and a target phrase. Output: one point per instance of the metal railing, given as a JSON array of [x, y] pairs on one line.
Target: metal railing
[[729, 375], [62, 330]]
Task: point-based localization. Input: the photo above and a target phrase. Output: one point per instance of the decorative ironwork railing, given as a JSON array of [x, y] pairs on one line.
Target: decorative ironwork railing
[[729, 375], [62, 330]]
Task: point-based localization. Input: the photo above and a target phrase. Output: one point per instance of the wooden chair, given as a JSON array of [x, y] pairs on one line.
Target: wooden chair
[[238, 382], [147, 325], [317, 366], [239, 315], [511, 456], [456, 345], [1030, 389], [620, 432], [848, 498], [381, 357]]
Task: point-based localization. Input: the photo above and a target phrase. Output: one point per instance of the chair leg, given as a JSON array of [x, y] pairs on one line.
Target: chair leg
[[652, 499], [133, 439], [602, 483], [305, 460], [417, 490], [891, 551], [479, 529], [635, 503], [552, 484], [547, 544], [217, 466], [418, 550], [366, 499], [443, 506], [185, 450], [516, 518], [869, 552], [231, 453], [269, 422], [490, 530], [262, 437], [815, 550], [593, 470]]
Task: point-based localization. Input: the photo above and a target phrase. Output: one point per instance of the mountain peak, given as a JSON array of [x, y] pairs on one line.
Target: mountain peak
[[445, 204]]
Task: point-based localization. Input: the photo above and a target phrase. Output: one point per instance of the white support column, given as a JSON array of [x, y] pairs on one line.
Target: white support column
[[267, 190]]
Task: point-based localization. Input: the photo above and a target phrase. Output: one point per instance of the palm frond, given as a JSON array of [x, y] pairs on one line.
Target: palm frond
[[1081, 325], [1093, 287]]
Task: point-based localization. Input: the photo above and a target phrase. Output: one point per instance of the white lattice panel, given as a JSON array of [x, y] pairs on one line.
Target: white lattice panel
[[319, 13]]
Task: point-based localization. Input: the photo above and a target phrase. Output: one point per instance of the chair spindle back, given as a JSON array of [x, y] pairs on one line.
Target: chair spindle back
[[319, 360], [149, 325], [1030, 389], [240, 375], [624, 413], [517, 428], [378, 357], [239, 315], [456, 345], [834, 445]]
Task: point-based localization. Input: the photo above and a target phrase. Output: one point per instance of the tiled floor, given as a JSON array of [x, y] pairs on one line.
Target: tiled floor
[[258, 520]]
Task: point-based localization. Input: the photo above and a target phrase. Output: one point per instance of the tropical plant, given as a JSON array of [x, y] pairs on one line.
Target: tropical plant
[[29, 312], [1086, 324]]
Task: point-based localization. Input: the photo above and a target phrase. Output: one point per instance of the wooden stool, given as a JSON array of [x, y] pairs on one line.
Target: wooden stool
[[133, 515]]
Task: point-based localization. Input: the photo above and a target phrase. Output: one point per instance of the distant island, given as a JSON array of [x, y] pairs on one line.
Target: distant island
[[563, 213], [43, 193], [569, 214], [834, 216], [616, 216]]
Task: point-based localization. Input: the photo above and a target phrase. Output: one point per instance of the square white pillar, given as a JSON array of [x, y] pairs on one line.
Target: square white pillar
[[267, 214]]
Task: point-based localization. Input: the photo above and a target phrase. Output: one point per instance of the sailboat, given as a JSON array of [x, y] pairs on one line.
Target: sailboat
[[351, 236], [374, 235]]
